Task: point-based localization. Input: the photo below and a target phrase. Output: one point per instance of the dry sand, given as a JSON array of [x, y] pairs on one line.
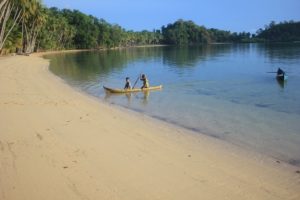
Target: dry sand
[[57, 143]]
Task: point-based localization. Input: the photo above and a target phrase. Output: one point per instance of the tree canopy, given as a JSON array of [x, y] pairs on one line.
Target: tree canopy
[[185, 33], [188, 33], [282, 32], [27, 26]]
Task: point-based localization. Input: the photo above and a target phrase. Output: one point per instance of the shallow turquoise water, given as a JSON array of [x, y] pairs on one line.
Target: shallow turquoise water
[[219, 90]]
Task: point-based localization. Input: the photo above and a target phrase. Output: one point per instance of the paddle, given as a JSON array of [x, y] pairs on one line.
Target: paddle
[[136, 81], [274, 72]]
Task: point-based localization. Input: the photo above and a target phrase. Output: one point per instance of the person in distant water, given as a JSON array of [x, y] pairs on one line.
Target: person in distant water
[[145, 81], [280, 71], [127, 84]]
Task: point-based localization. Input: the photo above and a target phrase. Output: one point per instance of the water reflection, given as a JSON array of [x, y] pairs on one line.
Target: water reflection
[[142, 97], [183, 57], [94, 65], [218, 89], [281, 83], [280, 51], [88, 65], [91, 66], [225, 70]]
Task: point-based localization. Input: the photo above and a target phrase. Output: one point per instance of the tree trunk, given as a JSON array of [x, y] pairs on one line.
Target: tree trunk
[[2, 4], [31, 34], [6, 8]]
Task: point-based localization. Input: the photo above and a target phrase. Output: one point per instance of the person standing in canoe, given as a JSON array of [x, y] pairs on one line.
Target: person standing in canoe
[[145, 81], [127, 84]]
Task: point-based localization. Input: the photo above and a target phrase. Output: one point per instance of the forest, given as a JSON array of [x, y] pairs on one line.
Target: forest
[[282, 32], [28, 26]]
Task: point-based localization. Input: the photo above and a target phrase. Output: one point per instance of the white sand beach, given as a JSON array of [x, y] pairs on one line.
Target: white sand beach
[[58, 143]]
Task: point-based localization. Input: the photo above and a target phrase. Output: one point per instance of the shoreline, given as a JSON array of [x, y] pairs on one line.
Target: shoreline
[[198, 130], [247, 150], [42, 53], [57, 143]]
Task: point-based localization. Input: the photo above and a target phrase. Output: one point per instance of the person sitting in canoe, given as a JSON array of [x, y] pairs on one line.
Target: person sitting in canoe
[[145, 81], [280, 72], [127, 84]]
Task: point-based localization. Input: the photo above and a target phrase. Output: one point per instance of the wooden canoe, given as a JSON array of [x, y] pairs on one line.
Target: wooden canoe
[[116, 90], [281, 76]]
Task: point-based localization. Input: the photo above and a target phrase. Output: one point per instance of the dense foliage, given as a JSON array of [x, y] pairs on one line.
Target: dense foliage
[[188, 33], [27, 26], [282, 32], [67, 29], [185, 33]]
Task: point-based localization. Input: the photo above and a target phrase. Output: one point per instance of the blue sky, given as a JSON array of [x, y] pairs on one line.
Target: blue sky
[[233, 15]]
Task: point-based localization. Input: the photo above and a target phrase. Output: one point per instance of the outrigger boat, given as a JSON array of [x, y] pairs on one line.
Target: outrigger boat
[[116, 90]]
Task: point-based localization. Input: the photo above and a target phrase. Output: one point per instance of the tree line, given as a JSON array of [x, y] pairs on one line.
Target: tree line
[[288, 31], [188, 33], [27, 26]]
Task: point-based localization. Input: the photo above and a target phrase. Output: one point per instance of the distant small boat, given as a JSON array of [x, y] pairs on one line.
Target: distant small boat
[[116, 90], [281, 76]]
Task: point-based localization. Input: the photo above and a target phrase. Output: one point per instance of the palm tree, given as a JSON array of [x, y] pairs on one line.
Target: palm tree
[[33, 19], [9, 10], [2, 3]]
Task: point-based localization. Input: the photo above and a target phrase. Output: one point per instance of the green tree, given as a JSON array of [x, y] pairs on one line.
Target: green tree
[[103, 39], [87, 32], [33, 19], [13, 41], [116, 35], [282, 32], [185, 33], [56, 33], [9, 10]]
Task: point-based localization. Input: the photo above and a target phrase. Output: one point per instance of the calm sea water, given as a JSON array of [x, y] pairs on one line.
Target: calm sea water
[[220, 90]]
